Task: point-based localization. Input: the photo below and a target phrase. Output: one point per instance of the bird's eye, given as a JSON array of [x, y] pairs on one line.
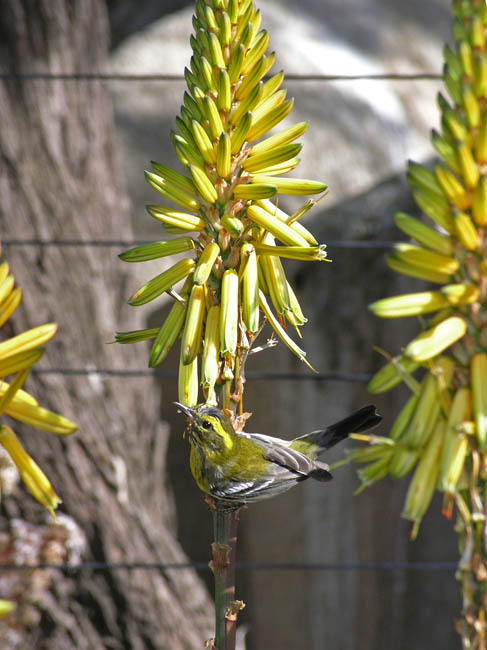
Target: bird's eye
[[206, 425]]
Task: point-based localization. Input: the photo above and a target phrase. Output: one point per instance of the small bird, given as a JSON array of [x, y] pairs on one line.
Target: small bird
[[239, 467]]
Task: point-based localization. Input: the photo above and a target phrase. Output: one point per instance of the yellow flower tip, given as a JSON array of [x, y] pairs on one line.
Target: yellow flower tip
[[6, 608], [32, 475]]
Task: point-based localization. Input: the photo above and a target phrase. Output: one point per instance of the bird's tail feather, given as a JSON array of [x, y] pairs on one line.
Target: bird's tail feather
[[362, 420]]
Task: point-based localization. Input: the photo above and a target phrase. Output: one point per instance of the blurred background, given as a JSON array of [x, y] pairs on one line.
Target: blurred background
[[73, 151]]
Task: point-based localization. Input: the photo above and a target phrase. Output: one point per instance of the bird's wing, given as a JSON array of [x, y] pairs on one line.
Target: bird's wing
[[277, 451]]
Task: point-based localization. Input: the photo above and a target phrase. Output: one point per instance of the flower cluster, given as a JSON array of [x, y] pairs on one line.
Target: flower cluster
[[18, 355], [224, 216]]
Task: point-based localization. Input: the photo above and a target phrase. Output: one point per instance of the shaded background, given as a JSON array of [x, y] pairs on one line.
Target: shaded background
[[361, 133]]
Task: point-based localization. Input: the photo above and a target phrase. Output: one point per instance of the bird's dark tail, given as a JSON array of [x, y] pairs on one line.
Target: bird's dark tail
[[362, 420]]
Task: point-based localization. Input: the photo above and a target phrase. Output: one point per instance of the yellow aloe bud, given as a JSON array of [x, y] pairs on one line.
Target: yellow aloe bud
[[176, 219], [135, 336], [169, 175], [268, 117], [281, 168], [429, 404], [4, 270], [390, 375], [224, 156], [295, 186], [216, 51], [254, 192], [317, 253], [17, 362], [239, 135], [214, 119], [6, 287], [419, 176], [374, 472], [259, 70], [460, 294], [39, 417], [466, 231], [276, 283], [481, 139], [455, 443], [210, 364], [436, 208], [266, 105], [193, 326], [8, 306], [410, 304], [418, 256], [20, 395], [283, 137], [157, 250], [203, 142], [470, 170], [250, 288], [233, 225], [422, 486], [30, 472], [262, 281], [402, 462], [257, 51], [229, 313], [423, 234], [446, 151], [472, 108], [479, 202], [172, 192], [402, 421], [296, 310], [167, 334], [268, 158], [186, 153], [28, 340], [272, 209], [224, 98], [162, 282], [205, 263], [281, 332], [407, 268], [238, 113], [453, 189], [188, 383], [436, 339], [275, 226], [205, 187], [272, 85], [478, 379], [6, 607], [235, 64]]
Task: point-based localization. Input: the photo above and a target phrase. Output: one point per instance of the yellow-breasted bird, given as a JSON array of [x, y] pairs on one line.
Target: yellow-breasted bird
[[240, 467]]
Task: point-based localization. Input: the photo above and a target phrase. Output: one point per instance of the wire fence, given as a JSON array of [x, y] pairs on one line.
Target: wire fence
[[447, 566]]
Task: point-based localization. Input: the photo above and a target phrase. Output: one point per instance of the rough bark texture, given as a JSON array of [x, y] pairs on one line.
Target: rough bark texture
[[59, 180]]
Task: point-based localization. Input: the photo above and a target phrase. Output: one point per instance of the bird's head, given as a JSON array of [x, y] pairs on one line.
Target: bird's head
[[208, 427]]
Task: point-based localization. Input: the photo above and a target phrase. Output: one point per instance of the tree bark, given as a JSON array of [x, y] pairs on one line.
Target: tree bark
[[59, 179]]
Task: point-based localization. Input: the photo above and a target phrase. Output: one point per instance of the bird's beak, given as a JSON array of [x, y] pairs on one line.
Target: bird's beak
[[188, 412]]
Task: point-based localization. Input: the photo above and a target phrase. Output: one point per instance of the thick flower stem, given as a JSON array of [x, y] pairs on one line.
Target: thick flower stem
[[223, 564]]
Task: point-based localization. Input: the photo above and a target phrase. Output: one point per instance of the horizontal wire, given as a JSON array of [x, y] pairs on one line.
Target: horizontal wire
[[244, 566], [113, 243], [114, 76], [165, 374]]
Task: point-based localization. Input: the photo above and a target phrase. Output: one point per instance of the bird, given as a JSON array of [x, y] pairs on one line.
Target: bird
[[236, 468]]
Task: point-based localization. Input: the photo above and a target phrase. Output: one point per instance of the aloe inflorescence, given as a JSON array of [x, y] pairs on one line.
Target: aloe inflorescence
[[18, 355], [441, 433], [225, 217]]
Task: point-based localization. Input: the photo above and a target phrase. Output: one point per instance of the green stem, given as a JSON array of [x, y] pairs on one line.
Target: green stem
[[225, 523]]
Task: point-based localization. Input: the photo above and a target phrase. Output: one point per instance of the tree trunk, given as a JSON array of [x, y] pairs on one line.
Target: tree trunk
[[59, 179]]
